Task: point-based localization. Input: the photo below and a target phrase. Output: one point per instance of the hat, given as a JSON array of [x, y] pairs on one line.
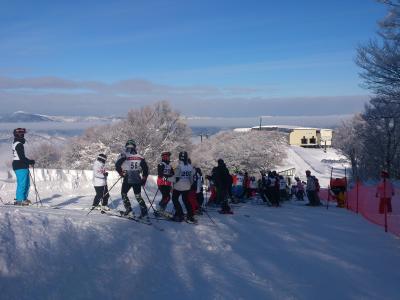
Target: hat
[[19, 132], [130, 144], [102, 156]]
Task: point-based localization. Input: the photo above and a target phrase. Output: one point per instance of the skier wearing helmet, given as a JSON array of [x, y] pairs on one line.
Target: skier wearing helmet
[[133, 168], [183, 181], [20, 166], [100, 182], [165, 172]]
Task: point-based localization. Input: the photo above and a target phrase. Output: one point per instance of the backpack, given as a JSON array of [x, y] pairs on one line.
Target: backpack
[[317, 186]]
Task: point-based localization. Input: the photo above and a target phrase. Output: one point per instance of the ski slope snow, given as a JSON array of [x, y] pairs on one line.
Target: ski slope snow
[[260, 252]]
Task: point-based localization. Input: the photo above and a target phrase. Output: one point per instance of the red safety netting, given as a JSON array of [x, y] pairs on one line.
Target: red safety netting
[[362, 199]]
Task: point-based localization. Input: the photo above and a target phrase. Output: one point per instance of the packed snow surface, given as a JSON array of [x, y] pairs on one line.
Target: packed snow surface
[[259, 252]]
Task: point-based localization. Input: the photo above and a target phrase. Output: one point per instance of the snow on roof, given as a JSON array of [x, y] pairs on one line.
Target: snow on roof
[[242, 129]]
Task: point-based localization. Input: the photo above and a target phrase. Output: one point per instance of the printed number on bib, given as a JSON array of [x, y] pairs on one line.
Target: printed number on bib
[[186, 174], [135, 165]]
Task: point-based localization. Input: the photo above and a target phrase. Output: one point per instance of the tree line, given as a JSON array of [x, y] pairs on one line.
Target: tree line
[[371, 139]]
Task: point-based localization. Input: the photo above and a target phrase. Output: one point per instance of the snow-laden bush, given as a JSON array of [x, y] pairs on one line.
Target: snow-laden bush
[[46, 155], [250, 151], [155, 128]]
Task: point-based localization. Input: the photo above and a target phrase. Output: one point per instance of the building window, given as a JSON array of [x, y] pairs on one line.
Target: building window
[[313, 140], [304, 140]]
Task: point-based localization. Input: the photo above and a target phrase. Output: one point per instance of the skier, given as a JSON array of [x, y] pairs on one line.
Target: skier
[[183, 180], [299, 189], [165, 172], [20, 166], [282, 188], [252, 186], [246, 186], [199, 181], [100, 182], [211, 189], [130, 165], [222, 179], [272, 188], [385, 192], [312, 188], [192, 197]]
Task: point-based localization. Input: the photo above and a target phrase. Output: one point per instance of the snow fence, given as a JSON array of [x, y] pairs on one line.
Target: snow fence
[[361, 198]]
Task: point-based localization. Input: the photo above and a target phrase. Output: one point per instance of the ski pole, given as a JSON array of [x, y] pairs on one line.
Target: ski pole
[[91, 209], [155, 195], [151, 204], [35, 188]]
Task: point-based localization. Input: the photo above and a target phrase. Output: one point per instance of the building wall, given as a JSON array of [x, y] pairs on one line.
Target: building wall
[[326, 135], [320, 135], [297, 135]]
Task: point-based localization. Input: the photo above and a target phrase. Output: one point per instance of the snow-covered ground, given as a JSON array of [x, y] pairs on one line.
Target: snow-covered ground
[[320, 163], [293, 252]]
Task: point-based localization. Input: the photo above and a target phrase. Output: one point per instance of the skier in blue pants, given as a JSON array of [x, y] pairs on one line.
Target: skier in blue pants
[[20, 166]]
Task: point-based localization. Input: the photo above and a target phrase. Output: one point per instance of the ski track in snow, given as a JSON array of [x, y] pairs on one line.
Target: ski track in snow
[[260, 252]]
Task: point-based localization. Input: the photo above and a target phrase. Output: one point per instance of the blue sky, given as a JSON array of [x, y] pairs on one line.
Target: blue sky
[[189, 52]]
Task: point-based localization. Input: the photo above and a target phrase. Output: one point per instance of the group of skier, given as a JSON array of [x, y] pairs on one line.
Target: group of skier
[[184, 181]]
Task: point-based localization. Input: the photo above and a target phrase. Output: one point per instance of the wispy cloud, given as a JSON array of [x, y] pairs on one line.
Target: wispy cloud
[[62, 96]]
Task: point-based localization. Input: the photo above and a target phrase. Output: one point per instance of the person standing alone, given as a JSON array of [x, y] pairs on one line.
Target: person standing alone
[[20, 166]]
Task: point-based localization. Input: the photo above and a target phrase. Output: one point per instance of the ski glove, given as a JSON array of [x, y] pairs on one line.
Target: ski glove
[[144, 179]]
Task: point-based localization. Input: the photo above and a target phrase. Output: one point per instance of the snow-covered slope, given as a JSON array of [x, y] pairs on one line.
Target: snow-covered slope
[[320, 163], [293, 252]]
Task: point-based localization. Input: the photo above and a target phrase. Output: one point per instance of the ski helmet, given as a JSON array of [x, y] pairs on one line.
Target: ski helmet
[[102, 157], [130, 144], [165, 155], [19, 132], [183, 156]]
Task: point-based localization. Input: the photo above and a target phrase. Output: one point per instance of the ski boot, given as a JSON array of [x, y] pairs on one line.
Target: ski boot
[[105, 208], [191, 220], [128, 213], [177, 218], [226, 211], [144, 214]]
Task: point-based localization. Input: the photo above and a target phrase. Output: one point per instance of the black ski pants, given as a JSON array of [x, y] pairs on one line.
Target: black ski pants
[[137, 189], [166, 195], [101, 194], [222, 198], [178, 208]]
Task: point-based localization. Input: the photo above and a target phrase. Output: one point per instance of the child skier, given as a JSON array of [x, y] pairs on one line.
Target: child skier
[[100, 182], [165, 172]]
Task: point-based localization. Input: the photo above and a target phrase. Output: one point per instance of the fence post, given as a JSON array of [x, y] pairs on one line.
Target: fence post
[[384, 203], [357, 183], [329, 196]]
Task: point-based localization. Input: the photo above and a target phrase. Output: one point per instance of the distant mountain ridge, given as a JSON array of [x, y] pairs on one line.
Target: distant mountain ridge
[[22, 116]]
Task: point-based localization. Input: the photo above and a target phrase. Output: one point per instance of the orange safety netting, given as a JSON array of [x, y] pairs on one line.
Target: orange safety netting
[[362, 199]]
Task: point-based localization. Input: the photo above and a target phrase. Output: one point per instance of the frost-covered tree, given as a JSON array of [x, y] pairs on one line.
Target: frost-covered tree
[[372, 141], [348, 138], [379, 59], [249, 151], [155, 128], [381, 137], [46, 155]]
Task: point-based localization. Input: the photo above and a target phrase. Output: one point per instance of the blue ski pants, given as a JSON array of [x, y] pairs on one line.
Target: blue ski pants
[[23, 184]]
